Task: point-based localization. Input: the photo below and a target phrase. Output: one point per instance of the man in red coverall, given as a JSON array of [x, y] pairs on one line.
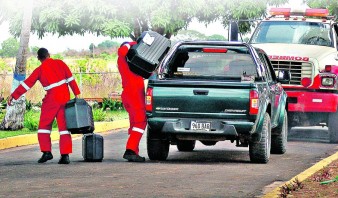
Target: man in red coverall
[[133, 99], [54, 76]]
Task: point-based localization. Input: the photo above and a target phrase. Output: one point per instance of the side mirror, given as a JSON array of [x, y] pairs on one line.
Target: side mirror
[[283, 76]]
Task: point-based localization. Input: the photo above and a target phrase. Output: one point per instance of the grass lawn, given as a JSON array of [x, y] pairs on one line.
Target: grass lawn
[[24, 131], [32, 120]]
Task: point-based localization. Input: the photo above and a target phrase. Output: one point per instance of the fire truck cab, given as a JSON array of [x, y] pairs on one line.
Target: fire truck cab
[[305, 42]]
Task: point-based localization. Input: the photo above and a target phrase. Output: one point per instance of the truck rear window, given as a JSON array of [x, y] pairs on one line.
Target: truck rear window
[[194, 62]]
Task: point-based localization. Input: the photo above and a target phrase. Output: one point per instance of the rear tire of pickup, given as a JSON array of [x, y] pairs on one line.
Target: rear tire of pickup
[[279, 142], [333, 127], [260, 151], [157, 149], [186, 145]]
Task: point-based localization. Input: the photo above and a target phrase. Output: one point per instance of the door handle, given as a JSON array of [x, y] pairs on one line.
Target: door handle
[[201, 92]]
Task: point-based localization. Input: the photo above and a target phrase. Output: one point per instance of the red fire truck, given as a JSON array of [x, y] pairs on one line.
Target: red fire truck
[[305, 42]]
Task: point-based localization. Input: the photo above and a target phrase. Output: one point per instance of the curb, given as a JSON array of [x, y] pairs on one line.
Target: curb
[[23, 140], [304, 175]]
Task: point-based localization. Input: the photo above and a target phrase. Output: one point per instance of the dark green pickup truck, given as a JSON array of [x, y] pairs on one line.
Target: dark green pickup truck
[[214, 91]]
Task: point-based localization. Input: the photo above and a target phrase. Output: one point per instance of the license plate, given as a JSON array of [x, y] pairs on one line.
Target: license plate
[[206, 126]]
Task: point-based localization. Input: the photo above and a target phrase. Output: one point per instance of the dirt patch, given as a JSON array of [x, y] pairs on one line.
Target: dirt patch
[[313, 186]]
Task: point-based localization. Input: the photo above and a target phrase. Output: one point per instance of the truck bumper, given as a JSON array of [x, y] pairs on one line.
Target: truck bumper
[[312, 101], [218, 127]]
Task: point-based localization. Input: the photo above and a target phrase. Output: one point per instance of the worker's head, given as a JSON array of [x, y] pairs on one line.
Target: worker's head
[[43, 54]]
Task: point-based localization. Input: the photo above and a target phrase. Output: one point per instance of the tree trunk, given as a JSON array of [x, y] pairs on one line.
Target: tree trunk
[[14, 117]]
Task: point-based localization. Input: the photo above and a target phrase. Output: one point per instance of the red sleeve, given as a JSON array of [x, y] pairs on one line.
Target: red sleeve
[[70, 79], [26, 84]]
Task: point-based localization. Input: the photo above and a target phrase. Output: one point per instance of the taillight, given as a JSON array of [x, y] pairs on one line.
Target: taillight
[[254, 102], [215, 50], [149, 99]]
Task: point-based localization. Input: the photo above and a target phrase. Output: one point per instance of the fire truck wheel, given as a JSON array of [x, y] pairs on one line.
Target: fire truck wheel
[[260, 151], [157, 148], [279, 142], [333, 127]]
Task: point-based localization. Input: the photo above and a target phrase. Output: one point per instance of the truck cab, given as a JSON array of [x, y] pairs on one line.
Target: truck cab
[[304, 42]]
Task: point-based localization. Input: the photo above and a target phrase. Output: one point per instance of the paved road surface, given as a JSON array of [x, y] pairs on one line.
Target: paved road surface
[[219, 171]]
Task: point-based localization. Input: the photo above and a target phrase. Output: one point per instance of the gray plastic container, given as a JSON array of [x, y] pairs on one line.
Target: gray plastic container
[[144, 56], [79, 116], [92, 147]]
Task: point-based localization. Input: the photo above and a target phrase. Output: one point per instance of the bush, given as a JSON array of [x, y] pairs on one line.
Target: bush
[[113, 105], [99, 115], [31, 120], [29, 105]]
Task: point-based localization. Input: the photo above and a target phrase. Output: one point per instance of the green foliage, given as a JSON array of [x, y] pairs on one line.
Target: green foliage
[[54, 125], [34, 49], [117, 18], [3, 105], [91, 47], [10, 47], [3, 101], [57, 56], [2, 114], [99, 115], [216, 37], [82, 64], [332, 5], [31, 120], [106, 56], [113, 105], [32, 63], [24, 131], [29, 105], [189, 35], [108, 44], [4, 67]]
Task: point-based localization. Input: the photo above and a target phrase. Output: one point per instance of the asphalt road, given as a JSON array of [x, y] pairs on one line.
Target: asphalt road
[[217, 171]]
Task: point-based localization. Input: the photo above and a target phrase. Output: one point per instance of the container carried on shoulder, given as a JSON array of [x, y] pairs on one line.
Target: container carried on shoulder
[[79, 116], [144, 56], [92, 147]]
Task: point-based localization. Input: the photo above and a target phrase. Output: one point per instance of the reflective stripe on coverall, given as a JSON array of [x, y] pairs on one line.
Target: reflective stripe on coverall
[[54, 76], [133, 98]]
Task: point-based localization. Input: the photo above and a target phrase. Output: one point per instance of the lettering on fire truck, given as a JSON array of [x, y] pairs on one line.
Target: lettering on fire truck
[[291, 58]]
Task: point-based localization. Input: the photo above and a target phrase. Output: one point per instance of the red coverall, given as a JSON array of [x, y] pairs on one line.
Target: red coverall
[[133, 98], [54, 76]]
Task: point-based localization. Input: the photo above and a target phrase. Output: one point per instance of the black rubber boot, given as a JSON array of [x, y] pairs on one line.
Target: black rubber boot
[[131, 156], [64, 159], [45, 157]]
